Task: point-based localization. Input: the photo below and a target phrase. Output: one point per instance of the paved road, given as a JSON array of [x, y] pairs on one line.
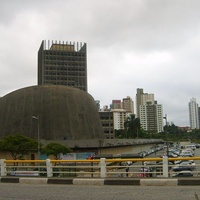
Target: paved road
[[72, 192]]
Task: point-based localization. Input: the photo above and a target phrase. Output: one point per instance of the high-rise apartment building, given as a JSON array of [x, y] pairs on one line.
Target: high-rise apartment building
[[147, 98], [62, 63], [119, 117], [142, 98], [151, 117], [138, 101], [127, 104], [193, 114]]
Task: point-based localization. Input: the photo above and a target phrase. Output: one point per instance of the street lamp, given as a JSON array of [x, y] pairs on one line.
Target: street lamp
[[166, 134], [38, 134]]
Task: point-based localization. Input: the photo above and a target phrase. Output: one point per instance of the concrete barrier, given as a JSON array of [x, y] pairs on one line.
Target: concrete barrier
[[60, 181], [122, 182], [88, 181], [33, 180], [100, 182], [189, 181], [159, 182], [9, 180]]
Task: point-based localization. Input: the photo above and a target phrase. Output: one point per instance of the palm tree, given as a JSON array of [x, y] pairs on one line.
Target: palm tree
[[132, 125]]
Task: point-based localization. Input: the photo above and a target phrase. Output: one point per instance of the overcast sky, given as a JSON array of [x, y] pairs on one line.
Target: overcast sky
[[149, 44]]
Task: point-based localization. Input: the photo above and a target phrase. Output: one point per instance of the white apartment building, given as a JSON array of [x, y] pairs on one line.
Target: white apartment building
[[119, 117], [193, 114]]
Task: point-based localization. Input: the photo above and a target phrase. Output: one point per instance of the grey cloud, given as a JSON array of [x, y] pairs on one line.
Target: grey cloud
[[148, 44]]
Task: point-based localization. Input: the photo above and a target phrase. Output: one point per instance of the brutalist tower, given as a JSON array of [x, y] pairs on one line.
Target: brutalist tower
[[63, 63]]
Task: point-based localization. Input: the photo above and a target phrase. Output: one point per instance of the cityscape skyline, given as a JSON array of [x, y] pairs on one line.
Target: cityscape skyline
[[154, 45]]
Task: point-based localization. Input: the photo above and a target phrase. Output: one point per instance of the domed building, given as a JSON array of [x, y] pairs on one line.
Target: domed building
[[56, 112]]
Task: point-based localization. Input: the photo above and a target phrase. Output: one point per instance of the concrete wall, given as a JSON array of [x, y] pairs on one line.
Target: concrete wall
[[126, 149]]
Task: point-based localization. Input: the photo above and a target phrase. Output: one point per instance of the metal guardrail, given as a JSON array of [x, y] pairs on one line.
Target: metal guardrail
[[130, 167]]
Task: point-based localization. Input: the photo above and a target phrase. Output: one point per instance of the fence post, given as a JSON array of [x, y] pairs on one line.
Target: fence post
[[3, 167], [49, 168], [165, 167], [103, 167]]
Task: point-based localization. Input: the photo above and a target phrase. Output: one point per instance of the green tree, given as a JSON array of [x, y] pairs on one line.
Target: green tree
[[18, 145], [132, 126], [120, 133], [55, 149]]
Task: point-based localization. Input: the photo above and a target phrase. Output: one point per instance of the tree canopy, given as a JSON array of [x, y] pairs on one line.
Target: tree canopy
[[55, 149], [18, 145], [132, 126]]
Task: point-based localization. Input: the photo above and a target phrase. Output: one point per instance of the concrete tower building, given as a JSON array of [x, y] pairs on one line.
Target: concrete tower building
[[127, 104], [62, 63], [193, 114]]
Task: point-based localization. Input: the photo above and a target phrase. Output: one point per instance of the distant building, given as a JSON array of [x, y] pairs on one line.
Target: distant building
[[142, 98], [199, 115], [185, 128], [116, 104], [111, 120], [151, 117], [193, 113], [97, 104], [119, 117], [138, 101], [147, 98], [127, 104], [62, 63], [106, 117]]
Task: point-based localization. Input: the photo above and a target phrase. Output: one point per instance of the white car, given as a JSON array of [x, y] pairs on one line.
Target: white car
[[191, 146], [186, 154], [185, 173], [187, 150]]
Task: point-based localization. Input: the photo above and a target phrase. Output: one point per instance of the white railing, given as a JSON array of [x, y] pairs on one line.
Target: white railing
[[103, 167]]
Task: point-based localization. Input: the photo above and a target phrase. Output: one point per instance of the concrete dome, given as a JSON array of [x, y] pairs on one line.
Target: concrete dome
[[64, 113]]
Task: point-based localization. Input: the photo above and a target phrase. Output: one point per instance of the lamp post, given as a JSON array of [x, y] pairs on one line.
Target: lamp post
[[166, 134], [38, 134]]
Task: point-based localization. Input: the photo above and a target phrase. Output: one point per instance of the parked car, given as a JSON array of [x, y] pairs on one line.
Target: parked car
[[186, 173], [197, 145], [183, 166], [186, 154], [191, 162], [172, 155], [188, 150], [191, 146]]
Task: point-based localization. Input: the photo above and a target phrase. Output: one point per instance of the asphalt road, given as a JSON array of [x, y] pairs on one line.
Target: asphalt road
[[62, 192]]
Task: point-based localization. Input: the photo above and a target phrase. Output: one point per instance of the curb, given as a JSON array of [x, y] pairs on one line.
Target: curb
[[101, 182], [159, 182]]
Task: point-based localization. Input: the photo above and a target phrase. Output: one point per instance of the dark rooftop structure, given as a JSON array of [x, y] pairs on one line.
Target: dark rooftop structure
[[63, 63]]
